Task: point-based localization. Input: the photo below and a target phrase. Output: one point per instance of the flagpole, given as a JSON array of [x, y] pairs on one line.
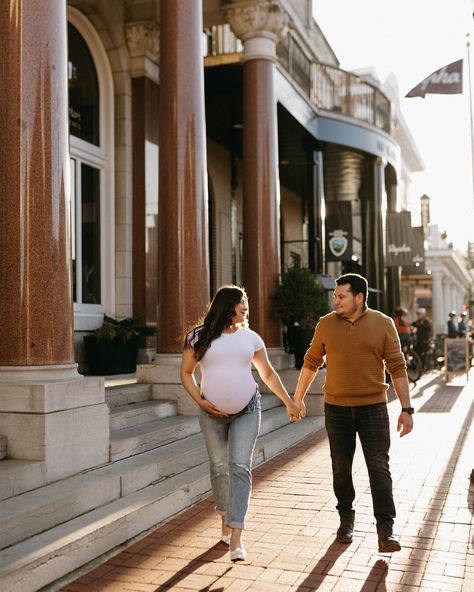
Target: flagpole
[[468, 45]]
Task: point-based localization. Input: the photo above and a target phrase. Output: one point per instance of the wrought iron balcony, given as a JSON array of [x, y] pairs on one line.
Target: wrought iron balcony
[[328, 88]]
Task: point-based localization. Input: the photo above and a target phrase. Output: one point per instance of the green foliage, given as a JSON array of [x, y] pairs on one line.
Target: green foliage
[[122, 329], [299, 297]]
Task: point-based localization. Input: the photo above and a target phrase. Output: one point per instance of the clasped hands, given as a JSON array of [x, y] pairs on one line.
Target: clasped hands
[[296, 410]]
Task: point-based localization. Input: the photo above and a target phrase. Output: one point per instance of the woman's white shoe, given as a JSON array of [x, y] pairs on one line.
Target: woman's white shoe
[[225, 538], [238, 554]]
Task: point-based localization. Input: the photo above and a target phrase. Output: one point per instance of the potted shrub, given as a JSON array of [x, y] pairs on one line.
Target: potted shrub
[[298, 303], [113, 347]]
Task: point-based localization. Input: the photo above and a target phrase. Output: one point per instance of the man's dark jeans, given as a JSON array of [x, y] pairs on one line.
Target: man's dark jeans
[[372, 424]]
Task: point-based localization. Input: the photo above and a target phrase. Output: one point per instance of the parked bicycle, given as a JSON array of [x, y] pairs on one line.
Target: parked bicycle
[[413, 361]]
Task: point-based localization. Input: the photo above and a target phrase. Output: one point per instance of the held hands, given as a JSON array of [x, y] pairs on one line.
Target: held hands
[[301, 407], [405, 424], [293, 410]]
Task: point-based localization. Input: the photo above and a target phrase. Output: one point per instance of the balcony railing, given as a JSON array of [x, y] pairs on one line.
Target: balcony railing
[[328, 88], [343, 92]]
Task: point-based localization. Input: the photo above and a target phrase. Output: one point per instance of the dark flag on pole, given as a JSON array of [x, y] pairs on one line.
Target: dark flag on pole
[[445, 81]]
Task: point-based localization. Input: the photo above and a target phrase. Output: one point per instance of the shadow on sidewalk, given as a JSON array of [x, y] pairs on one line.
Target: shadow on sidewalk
[[377, 576], [442, 400], [322, 568], [210, 555]]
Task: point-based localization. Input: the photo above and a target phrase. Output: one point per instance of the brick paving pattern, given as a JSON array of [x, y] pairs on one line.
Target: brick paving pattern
[[292, 521]]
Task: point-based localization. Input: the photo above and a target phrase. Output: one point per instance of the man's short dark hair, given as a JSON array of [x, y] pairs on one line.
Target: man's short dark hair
[[357, 282]]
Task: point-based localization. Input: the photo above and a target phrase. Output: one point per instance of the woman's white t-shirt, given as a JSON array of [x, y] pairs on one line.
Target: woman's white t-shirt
[[226, 370]]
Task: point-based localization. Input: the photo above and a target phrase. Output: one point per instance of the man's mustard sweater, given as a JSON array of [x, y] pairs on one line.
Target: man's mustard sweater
[[357, 353]]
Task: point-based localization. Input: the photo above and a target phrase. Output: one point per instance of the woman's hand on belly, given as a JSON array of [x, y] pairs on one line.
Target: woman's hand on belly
[[208, 407]]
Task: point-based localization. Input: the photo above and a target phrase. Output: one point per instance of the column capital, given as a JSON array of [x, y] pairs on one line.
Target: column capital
[[143, 40], [259, 24]]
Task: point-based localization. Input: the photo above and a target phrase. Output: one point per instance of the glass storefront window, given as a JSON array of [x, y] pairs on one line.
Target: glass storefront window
[[83, 90], [90, 230]]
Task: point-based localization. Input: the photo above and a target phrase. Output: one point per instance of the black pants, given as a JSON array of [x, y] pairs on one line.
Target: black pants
[[372, 424]]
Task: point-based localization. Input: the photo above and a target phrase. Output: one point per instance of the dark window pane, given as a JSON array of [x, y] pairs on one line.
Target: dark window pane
[[90, 209], [83, 90]]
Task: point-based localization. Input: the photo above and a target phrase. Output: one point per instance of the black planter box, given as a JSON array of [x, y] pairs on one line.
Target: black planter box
[[105, 357]]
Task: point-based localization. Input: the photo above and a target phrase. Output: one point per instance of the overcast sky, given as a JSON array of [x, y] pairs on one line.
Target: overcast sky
[[413, 38]]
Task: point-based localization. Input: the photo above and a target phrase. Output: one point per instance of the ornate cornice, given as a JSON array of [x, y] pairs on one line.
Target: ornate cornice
[[250, 18], [143, 39]]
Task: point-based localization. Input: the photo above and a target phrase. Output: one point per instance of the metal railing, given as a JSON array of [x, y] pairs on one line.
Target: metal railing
[[328, 88], [342, 92]]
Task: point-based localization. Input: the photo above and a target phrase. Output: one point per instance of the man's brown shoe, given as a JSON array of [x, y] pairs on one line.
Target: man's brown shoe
[[387, 544]]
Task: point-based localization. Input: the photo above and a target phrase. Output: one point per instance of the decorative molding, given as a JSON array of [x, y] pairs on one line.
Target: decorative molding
[[143, 39], [260, 25]]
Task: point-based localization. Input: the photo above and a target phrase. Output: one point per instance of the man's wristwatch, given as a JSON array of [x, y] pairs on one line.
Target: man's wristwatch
[[409, 410]]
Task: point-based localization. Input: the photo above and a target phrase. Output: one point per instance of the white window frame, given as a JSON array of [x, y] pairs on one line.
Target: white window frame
[[88, 317]]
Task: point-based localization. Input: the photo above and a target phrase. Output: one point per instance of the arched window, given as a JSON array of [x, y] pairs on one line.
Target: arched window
[[91, 169]]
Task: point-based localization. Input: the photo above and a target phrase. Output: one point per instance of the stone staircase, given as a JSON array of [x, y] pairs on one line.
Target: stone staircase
[[158, 467]]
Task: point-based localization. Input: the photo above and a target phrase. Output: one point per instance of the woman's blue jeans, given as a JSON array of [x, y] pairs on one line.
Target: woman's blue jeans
[[371, 422], [230, 443]]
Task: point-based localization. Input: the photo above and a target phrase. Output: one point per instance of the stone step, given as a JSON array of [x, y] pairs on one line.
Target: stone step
[[36, 511], [36, 562], [46, 557], [18, 476], [272, 443], [142, 470], [270, 401], [273, 419], [124, 394], [137, 439], [3, 447], [127, 416]]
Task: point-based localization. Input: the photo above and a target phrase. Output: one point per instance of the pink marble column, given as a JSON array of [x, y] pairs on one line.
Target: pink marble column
[[261, 261], [35, 276], [259, 25], [183, 266]]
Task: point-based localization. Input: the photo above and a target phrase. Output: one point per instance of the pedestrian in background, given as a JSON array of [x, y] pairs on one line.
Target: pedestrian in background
[[357, 344], [402, 325], [229, 400], [424, 331], [462, 325], [452, 325]]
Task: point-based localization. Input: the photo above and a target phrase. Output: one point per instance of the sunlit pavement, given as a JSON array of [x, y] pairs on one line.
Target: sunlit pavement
[[292, 519]]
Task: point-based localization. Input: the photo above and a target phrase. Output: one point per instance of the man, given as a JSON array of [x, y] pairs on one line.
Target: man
[[452, 325], [358, 343], [424, 331], [462, 325]]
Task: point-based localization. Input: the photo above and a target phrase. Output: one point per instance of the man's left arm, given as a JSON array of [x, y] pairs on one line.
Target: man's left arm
[[396, 366], [405, 419]]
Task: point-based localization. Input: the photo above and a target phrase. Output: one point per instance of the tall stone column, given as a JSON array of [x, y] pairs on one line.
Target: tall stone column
[[48, 412], [259, 25], [183, 258], [35, 273]]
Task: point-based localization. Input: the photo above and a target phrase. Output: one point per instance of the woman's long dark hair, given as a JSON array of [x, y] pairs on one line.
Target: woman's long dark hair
[[218, 317]]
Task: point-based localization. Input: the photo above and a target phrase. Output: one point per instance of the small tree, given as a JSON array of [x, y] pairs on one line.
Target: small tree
[[298, 303], [299, 298]]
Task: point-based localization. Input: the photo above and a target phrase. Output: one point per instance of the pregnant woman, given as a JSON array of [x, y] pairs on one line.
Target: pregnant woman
[[225, 349]]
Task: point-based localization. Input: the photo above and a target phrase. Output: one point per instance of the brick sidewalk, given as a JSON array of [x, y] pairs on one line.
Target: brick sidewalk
[[292, 520]]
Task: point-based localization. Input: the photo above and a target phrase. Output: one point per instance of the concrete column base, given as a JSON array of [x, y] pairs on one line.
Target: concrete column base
[[64, 423], [164, 375]]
